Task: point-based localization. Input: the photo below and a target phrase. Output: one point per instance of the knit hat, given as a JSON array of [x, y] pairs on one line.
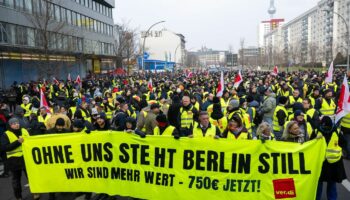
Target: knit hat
[[101, 115], [234, 103], [60, 122], [13, 121]]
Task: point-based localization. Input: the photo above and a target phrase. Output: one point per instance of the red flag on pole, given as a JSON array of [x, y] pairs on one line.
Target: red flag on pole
[[56, 81], [78, 80], [150, 85], [344, 101], [221, 86], [275, 71], [43, 102], [238, 79], [329, 75]]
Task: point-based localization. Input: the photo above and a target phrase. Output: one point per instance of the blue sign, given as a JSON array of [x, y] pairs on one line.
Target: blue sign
[[145, 55]]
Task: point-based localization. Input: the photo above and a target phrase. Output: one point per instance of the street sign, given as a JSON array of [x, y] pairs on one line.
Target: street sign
[[146, 55]]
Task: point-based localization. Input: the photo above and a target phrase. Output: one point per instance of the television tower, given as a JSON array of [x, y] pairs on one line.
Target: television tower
[[272, 9]]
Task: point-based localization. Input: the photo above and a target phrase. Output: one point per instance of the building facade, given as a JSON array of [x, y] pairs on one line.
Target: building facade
[[164, 45], [211, 58], [316, 36], [250, 56], [51, 38]]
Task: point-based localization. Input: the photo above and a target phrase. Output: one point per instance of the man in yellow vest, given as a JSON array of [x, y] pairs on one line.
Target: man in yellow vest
[[11, 143], [280, 117], [164, 128], [312, 115], [44, 116], [188, 114], [204, 128], [327, 107], [293, 99]]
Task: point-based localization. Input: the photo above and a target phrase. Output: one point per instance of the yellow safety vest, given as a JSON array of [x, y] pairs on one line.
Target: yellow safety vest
[[221, 123], [41, 119], [109, 112], [242, 136], [345, 122], [26, 108], [186, 118], [17, 152], [144, 116], [313, 101], [210, 109], [292, 101], [197, 131], [333, 151], [167, 132], [276, 126], [327, 109], [73, 110], [196, 105]]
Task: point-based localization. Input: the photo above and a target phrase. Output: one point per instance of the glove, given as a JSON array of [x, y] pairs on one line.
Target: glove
[[87, 131], [176, 137]]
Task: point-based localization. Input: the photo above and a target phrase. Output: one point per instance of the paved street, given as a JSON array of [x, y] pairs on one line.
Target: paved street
[[6, 190]]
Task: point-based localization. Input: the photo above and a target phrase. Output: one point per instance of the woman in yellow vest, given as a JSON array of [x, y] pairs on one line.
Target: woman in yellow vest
[[11, 143], [333, 167], [163, 128], [236, 129], [264, 132]]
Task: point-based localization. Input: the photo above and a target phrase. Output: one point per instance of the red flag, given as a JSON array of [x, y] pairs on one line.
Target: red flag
[[190, 75], [43, 102], [78, 80], [56, 81], [238, 79], [329, 75], [344, 101], [69, 78], [221, 86], [275, 71], [150, 85]]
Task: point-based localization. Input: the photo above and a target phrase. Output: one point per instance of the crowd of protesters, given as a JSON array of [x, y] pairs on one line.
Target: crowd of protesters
[[292, 107]]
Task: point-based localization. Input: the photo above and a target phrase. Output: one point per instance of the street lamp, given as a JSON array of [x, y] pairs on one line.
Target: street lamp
[[347, 39], [144, 42]]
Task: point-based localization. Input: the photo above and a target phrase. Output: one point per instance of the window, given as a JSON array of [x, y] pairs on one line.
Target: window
[[3, 33], [57, 13], [86, 3], [28, 6], [93, 5], [90, 4], [64, 42], [78, 20], [63, 15], [19, 4], [69, 17], [21, 35], [83, 21], [74, 18], [59, 42], [31, 38], [10, 3], [95, 25]]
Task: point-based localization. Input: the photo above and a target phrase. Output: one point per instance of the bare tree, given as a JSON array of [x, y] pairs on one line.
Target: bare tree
[[49, 32], [242, 42], [294, 51], [313, 52], [125, 45]]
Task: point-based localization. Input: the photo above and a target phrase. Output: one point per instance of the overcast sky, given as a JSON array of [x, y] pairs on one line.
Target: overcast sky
[[212, 23]]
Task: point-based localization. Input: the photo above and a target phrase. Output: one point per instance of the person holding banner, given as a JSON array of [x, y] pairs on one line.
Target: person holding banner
[[333, 167], [264, 132], [204, 128], [293, 133], [236, 129], [164, 128], [11, 143]]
